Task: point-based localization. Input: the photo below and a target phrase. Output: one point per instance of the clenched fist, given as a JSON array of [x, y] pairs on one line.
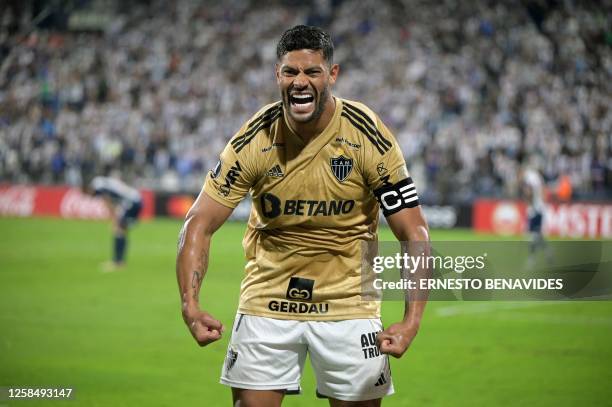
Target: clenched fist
[[396, 339], [204, 327]]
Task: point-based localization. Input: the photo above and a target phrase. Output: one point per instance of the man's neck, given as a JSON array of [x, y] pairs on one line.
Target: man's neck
[[308, 131]]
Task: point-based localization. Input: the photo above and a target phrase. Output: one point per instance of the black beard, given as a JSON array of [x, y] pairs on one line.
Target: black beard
[[321, 105]]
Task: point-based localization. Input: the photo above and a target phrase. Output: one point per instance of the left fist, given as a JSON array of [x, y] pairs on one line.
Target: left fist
[[396, 339]]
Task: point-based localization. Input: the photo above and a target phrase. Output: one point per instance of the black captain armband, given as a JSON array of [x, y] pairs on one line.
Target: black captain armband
[[393, 198]]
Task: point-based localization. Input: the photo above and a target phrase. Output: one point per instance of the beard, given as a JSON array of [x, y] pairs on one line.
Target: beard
[[322, 101]]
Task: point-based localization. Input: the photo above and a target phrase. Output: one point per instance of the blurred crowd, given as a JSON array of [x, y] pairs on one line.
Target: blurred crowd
[[471, 89]]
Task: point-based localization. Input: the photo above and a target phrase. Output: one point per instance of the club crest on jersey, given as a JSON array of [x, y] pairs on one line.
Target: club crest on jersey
[[341, 167]]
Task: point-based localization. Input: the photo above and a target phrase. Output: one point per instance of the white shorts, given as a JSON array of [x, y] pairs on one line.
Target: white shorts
[[269, 354]]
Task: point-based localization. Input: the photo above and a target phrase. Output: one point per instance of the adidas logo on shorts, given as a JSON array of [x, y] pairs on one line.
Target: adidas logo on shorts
[[381, 380]]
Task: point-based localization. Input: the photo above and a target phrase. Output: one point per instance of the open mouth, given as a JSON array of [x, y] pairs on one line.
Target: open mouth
[[301, 103], [301, 99]]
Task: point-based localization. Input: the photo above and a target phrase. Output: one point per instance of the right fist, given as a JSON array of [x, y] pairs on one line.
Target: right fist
[[204, 327]]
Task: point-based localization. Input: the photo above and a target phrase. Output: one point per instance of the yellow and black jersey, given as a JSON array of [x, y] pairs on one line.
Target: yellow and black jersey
[[313, 206]]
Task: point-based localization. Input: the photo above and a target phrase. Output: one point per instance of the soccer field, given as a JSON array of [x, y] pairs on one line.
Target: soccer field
[[118, 338]]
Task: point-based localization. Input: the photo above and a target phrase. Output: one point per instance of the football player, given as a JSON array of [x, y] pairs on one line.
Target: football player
[[319, 169]]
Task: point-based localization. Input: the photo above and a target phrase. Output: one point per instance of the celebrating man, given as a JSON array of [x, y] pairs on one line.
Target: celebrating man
[[318, 168]]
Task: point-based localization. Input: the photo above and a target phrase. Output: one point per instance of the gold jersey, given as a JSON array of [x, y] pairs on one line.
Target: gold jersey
[[313, 206]]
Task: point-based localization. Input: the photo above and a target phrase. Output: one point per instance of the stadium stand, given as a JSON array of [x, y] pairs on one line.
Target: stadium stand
[[158, 88]]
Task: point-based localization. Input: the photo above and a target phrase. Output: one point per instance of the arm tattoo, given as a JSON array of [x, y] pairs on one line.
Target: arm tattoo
[[196, 280], [197, 276]]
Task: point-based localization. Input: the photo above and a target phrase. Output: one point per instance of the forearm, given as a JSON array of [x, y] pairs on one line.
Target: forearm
[[417, 245], [192, 262], [410, 228], [203, 220]]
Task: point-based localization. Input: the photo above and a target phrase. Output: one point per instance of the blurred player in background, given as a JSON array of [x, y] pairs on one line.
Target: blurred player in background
[[124, 204], [532, 186], [319, 169]]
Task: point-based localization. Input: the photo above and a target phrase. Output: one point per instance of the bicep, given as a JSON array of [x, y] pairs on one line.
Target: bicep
[[207, 215]]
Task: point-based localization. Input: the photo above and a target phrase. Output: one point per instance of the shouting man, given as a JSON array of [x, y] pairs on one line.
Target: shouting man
[[318, 169]]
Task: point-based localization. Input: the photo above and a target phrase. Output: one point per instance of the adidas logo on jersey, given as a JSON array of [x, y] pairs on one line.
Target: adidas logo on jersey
[[275, 172]]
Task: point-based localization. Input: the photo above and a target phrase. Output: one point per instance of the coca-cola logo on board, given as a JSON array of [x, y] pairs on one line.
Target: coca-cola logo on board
[[17, 201], [78, 205]]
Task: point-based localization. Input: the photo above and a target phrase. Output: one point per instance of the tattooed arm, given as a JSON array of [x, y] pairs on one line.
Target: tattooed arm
[[203, 219]]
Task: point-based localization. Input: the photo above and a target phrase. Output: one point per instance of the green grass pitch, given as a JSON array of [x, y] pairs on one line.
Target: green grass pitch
[[118, 338]]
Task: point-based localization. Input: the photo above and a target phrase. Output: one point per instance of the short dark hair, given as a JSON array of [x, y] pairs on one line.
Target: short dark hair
[[306, 37]]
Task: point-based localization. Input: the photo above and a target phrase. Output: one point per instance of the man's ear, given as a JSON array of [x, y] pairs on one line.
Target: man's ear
[[277, 72], [333, 73]]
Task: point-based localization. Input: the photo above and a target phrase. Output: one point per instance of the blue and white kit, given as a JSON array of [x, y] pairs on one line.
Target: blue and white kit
[[127, 199]]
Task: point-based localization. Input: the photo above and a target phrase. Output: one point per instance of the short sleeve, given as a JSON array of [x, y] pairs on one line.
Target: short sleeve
[[387, 175], [232, 177]]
